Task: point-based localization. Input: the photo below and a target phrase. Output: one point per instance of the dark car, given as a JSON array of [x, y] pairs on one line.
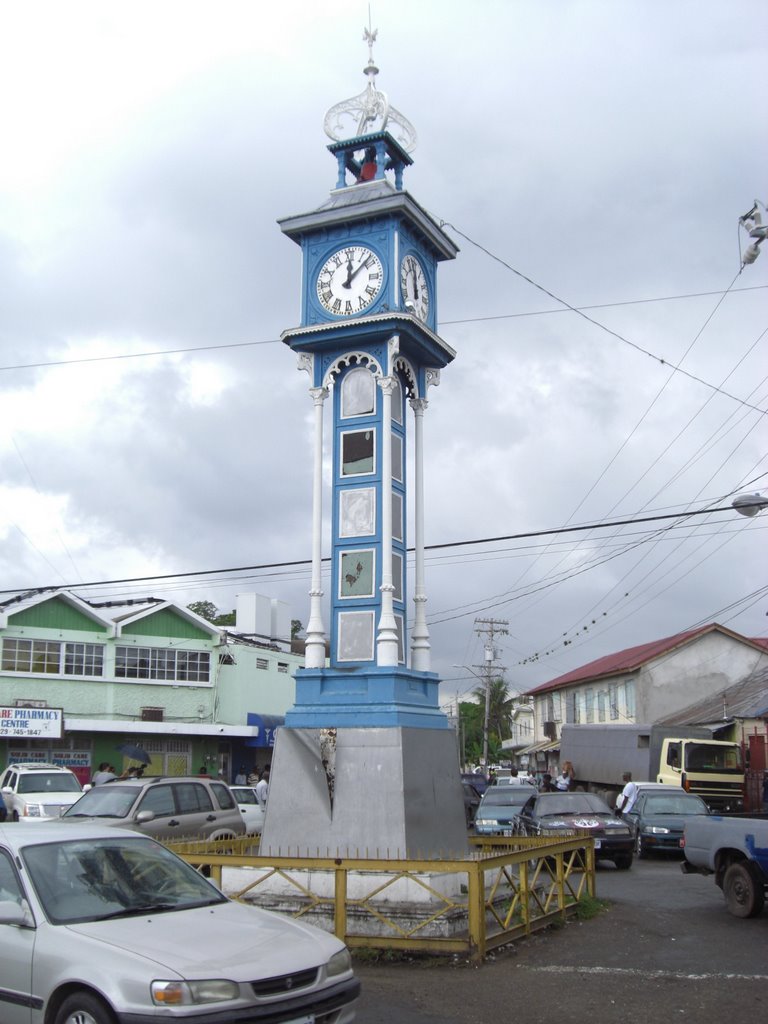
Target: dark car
[[472, 800], [659, 817], [553, 814], [499, 810], [476, 779]]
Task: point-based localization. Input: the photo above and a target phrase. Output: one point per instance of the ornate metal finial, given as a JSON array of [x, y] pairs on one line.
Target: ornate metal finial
[[370, 111]]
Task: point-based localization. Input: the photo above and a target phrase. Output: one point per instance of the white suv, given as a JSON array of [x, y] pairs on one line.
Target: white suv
[[37, 792]]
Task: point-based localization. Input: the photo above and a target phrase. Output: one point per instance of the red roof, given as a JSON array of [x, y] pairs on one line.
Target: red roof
[[635, 657]]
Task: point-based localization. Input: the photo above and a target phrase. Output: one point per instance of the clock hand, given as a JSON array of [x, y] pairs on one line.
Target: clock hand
[[350, 275], [355, 272]]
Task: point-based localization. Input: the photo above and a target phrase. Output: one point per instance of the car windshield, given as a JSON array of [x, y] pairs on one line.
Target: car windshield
[[504, 796], [245, 796], [48, 782], [570, 803], [675, 803], [112, 800], [92, 880]]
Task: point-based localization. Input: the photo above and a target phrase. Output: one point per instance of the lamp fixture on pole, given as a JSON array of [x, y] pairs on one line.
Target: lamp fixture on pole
[[749, 504], [752, 223]]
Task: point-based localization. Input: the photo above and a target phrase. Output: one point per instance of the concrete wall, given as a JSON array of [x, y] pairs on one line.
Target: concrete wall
[[701, 669]]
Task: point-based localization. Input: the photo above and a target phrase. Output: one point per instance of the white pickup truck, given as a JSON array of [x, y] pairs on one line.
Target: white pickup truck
[[735, 851]]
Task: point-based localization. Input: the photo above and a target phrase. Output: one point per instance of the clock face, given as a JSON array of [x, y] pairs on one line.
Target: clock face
[[414, 288], [350, 280]]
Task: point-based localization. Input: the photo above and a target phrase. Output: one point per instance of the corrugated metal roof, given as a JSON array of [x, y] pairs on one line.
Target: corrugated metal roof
[[746, 699], [633, 658]]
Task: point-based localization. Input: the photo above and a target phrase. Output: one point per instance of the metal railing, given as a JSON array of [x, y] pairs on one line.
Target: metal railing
[[505, 888]]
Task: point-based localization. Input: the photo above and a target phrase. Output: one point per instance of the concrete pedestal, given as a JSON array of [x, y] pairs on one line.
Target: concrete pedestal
[[365, 792]]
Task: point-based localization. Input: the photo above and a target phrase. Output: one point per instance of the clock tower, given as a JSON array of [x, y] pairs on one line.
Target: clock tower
[[366, 758]]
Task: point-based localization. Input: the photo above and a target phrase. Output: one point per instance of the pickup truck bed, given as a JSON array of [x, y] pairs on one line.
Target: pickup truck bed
[[735, 851]]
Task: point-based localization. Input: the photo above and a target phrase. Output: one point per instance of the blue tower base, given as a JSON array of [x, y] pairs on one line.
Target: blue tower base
[[328, 698]]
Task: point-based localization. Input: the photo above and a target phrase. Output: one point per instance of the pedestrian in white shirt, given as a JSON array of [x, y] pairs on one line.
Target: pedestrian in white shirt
[[262, 788], [626, 799]]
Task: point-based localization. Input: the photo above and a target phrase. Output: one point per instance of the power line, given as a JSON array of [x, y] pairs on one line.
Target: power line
[[599, 305], [428, 547], [596, 323], [187, 350]]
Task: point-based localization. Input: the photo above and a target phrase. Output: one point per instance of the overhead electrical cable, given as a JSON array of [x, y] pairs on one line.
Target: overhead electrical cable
[[596, 323], [306, 561]]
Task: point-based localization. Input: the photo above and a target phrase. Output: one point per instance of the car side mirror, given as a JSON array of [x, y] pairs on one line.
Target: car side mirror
[[144, 816], [16, 914]]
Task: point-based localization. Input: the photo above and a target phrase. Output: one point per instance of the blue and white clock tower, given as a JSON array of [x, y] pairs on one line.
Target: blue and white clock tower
[[367, 759]]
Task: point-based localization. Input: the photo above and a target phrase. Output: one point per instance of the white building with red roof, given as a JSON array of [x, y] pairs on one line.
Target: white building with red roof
[[642, 684]]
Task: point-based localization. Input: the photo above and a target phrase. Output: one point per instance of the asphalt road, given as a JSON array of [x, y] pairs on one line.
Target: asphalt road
[[664, 949]]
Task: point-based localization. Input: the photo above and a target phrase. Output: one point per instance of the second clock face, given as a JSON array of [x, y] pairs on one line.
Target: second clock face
[[414, 288], [350, 280]]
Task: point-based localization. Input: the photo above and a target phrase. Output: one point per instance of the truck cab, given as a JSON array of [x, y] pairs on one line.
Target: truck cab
[[712, 769]]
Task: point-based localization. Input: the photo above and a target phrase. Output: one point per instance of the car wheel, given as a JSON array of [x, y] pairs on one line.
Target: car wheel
[[623, 861], [15, 816], [83, 1008], [743, 890], [640, 849]]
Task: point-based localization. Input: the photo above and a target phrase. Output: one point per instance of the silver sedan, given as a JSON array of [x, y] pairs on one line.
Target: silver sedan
[[105, 926]]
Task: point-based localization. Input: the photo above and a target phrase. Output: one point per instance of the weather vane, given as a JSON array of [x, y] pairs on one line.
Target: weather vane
[[370, 111]]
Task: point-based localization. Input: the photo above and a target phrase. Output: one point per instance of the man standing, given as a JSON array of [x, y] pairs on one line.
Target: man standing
[[262, 788], [628, 795]]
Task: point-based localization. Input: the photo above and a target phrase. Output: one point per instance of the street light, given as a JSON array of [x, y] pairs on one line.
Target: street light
[[487, 672], [749, 504]]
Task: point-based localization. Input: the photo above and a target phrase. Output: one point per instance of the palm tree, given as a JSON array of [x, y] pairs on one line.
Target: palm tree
[[500, 710]]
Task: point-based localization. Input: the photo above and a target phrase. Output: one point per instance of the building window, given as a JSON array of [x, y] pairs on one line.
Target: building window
[[613, 700], [282, 666], [51, 657], [161, 663], [602, 700], [629, 698], [262, 663], [589, 705]]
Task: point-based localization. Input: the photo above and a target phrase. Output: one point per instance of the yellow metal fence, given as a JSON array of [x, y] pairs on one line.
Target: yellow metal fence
[[502, 890]]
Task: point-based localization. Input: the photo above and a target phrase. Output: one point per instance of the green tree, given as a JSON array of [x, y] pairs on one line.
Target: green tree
[[471, 731], [499, 715], [205, 609], [208, 610]]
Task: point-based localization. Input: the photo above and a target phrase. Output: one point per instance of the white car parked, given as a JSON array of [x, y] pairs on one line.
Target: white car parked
[[33, 791], [100, 925], [251, 808]]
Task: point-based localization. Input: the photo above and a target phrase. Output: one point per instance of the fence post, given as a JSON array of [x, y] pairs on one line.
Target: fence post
[[340, 903], [476, 908]]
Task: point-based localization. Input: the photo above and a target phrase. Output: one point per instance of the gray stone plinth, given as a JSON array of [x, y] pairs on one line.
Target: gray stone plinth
[[365, 792]]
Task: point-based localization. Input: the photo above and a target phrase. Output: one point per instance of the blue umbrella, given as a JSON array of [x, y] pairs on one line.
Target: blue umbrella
[[134, 752]]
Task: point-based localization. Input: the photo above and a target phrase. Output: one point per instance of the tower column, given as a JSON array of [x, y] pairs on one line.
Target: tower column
[[386, 638], [420, 646], [315, 641]]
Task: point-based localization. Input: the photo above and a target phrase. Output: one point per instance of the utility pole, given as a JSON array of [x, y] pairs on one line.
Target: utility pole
[[490, 628]]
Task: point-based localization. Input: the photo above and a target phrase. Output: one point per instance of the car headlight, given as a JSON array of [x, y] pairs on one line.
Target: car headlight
[[656, 830], [340, 963], [32, 811], [189, 993]]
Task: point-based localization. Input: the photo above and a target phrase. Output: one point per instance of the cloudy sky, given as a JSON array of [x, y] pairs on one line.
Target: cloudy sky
[[591, 155]]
